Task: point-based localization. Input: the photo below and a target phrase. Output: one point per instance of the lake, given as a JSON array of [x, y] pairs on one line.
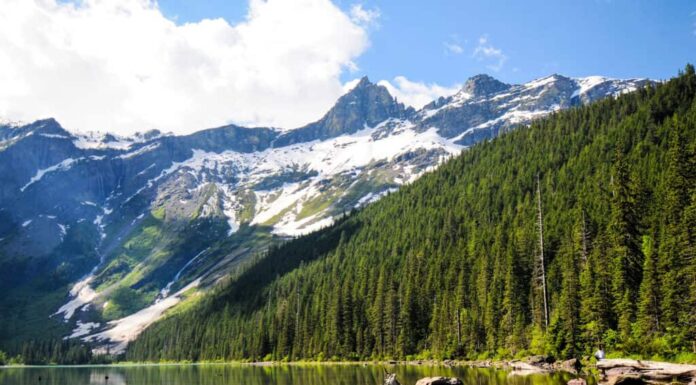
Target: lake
[[261, 375]]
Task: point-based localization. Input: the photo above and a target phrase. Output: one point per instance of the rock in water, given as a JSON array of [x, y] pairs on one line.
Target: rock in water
[[577, 381], [439, 381], [571, 365], [390, 379]]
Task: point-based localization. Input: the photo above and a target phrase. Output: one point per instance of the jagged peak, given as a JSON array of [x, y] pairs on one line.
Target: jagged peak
[[546, 80], [365, 85], [364, 90], [364, 82], [483, 84], [366, 105], [47, 126]]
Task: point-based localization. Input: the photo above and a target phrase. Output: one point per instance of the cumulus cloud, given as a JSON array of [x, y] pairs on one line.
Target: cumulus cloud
[[416, 94], [363, 16], [485, 51], [121, 66]]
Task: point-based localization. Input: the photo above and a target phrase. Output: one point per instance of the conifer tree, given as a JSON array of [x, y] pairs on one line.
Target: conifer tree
[[624, 250], [649, 305]]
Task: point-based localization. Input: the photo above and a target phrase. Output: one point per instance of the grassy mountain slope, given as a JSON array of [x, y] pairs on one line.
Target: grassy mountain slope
[[448, 265]]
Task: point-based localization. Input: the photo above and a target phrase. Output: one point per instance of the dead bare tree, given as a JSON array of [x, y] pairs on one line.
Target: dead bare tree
[[542, 268]]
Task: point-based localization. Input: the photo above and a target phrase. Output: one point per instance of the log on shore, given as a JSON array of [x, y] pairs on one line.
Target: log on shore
[[625, 371]]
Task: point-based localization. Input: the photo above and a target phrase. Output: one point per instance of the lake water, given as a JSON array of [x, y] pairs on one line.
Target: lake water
[[261, 375]]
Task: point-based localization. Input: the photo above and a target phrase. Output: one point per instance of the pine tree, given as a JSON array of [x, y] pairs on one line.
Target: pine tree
[[624, 250], [672, 262], [649, 305], [596, 303]]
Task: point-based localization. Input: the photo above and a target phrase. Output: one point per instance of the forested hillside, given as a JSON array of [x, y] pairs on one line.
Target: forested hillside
[[455, 265]]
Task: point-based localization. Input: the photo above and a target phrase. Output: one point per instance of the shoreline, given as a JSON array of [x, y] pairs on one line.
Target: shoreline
[[608, 371], [486, 364], [533, 363]]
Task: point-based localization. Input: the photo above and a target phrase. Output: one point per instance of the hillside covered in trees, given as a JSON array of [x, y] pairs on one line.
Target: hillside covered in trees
[[457, 264]]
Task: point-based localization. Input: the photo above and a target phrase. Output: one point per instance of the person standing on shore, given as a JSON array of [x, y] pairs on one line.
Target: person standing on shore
[[599, 354]]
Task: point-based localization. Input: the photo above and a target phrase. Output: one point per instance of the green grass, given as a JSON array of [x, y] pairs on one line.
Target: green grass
[[319, 204], [247, 199], [159, 213], [276, 218]]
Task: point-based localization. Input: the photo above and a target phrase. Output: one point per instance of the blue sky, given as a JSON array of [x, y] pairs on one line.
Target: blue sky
[[617, 38]]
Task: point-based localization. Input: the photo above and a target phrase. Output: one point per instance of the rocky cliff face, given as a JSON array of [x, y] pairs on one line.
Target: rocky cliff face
[[141, 222], [366, 105]]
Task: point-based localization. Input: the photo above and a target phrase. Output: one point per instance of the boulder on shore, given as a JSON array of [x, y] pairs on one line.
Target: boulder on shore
[[630, 372], [539, 360], [525, 368], [572, 363], [439, 381]]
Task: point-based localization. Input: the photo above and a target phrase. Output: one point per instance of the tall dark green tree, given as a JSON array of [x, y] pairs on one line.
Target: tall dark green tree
[[624, 246], [650, 297]]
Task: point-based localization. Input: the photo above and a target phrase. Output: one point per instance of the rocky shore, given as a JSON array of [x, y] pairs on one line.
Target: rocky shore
[[637, 372]]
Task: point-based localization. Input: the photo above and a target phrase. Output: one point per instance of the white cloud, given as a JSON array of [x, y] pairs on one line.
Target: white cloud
[[453, 48], [349, 85], [484, 51], [362, 16], [416, 94], [121, 66]]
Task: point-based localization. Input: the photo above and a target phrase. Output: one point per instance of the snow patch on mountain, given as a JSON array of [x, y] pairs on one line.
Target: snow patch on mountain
[[82, 294], [104, 141], [320, 160], [82, 329], [139, 151], [121, 331], [62, 166], [55, 136]]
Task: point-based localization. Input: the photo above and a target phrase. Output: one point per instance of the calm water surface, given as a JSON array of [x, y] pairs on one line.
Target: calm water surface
[[255, 375]]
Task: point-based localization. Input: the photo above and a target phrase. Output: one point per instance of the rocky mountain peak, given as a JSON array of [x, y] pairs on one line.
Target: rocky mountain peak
[[481, 85], [44, 126], [366, 105], [364, 82]]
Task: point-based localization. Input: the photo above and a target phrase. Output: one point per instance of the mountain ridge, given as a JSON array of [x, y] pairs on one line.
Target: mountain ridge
[[127, 203]]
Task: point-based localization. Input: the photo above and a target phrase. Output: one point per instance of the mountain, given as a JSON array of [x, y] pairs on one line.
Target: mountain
[[448, 266], [103, 234], [366, 105]]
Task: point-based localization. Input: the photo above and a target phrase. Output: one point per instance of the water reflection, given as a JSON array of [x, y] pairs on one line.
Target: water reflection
[[262, 375]]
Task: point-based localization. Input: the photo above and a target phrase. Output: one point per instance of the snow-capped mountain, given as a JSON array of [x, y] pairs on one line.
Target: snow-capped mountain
[[139, 222]]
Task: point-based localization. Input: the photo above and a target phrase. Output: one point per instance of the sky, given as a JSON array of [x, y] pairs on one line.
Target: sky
[[124, 66]]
